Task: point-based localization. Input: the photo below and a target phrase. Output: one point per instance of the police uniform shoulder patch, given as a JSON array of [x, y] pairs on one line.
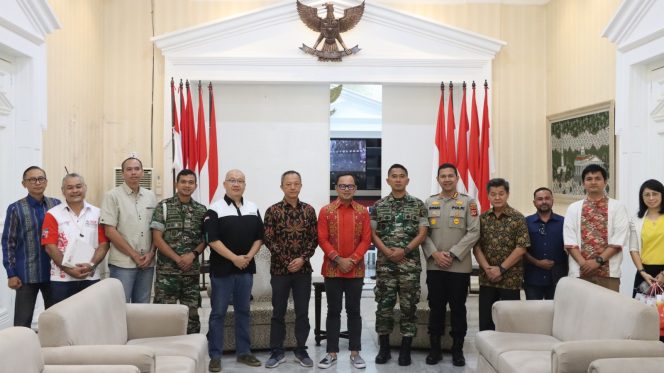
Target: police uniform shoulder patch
[[473, 209]]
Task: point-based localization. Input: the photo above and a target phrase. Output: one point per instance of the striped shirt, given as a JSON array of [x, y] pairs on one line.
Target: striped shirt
[[22, 252]]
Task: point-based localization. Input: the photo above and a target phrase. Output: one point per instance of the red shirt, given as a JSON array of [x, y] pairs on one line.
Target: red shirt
[[344, 230]]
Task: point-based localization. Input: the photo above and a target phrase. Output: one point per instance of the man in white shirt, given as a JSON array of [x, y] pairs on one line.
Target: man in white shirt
[[595, 232], [74, 240]]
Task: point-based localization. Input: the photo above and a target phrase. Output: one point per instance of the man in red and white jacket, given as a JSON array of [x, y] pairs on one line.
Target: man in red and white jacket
[[74, 240]]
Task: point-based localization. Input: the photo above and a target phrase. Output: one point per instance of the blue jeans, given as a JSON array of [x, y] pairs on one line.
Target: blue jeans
[[225, 288], [61, 290], [136, 282]]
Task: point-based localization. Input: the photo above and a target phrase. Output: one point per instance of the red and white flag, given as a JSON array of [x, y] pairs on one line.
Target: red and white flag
[[474, 186], [439, 149], [451, 149], [177, 145], [201, 147], [189, 129], [213, 160], [183, 128], [485, 151], [462, 145]]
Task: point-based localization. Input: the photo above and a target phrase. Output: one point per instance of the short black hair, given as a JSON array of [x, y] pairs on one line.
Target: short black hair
[[346, 174], [592, 168], [497, 183], [397, 165], [292, 172], [651, 184], [25, 173], [129, 159], [447, 165], [541, 189], [186, 172]]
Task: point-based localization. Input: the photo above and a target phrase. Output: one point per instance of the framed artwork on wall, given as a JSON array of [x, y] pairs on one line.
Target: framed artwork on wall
[[578, 138]]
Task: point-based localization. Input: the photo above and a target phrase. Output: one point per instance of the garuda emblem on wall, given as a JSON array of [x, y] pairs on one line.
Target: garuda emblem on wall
[[330, 30]]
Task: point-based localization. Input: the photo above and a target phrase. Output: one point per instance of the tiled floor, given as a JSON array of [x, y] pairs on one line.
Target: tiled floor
[[369, 346]]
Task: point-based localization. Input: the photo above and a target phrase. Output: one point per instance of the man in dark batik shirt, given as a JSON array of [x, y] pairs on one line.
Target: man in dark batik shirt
[[291, 236]]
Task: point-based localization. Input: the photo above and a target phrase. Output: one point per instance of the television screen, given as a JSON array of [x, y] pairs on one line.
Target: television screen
[[348, 155]]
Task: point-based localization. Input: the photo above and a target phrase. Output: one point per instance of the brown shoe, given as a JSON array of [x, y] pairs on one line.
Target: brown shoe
[[249, 359], [215, 365]]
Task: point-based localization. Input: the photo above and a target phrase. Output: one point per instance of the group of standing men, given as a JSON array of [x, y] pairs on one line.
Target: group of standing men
[[447, 226]]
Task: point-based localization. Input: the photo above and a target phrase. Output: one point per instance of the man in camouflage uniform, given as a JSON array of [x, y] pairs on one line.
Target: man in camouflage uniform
[[399, 225], [454, 228], [177, 233]]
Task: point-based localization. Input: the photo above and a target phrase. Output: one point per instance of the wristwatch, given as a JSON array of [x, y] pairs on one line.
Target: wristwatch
[[599, 260], [502, 269]]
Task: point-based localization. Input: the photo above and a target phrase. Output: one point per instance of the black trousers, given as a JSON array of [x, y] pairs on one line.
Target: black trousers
[[536, 292], [448, 288], [488, 296], [335, 288], [300, 285], [26, 297]]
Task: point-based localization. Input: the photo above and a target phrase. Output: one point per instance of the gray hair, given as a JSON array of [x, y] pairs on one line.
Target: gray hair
[[71, 176]]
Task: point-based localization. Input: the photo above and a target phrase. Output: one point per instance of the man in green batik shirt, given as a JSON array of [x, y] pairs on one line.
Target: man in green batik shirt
[[177, 233], [399, 225]]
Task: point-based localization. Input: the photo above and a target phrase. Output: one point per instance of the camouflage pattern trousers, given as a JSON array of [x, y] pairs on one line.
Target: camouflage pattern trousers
[[169, 289], [388, 285]]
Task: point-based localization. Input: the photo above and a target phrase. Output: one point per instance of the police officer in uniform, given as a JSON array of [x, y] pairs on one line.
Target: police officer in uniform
[[454, 228], [177, 233], [399, 226]]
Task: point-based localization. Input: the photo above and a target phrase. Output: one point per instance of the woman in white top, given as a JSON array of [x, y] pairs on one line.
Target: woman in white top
[[647, 235]]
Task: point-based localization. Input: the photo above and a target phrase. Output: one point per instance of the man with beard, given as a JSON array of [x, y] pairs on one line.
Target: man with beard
[[546, 259]]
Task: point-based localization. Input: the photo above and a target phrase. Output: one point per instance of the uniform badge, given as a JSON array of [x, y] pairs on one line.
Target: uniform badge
[[459, 202], [456, 221], [44, 233], [435, 203], [473, 209], [433, 221]]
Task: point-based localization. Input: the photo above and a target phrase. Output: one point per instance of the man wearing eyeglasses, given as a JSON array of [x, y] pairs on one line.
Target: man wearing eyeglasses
[[26, 262], [399, 225], [234, 231], [546, 259], [344, 234]]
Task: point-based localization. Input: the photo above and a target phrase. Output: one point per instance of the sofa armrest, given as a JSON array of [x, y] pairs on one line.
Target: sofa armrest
[[141, 357], [90, 369], [156, 320], [576, 356], [530, 316]]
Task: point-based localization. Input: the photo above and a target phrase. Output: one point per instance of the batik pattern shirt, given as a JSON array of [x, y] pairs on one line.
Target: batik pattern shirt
[[290, 233], [595, 232]]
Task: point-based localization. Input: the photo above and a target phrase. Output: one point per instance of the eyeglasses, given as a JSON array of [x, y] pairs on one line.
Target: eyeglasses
[[235, 181], [542, 229], [346, 186], [35, 180]]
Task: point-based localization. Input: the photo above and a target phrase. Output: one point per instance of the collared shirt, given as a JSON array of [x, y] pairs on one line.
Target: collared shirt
[[499, 236], [68, 231], [290, 233], [182, 227], [22, 252], [344, 230], [397, 222], [130, 213], [454, 227], [237, 228], [617, 234], [546, 242]]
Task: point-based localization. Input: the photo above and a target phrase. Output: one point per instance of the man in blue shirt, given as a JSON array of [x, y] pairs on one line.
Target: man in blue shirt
[[546, 259], [26, 262]]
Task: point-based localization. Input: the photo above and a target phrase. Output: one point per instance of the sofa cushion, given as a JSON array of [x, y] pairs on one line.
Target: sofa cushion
[[192, 346], [640, 365], [599, 314], [95, 316], [519, 361], [20, 351], [175, 364], [492, 344]]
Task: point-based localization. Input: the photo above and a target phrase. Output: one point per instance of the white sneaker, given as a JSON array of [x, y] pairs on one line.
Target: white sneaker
[[357, 361], [327, 361]]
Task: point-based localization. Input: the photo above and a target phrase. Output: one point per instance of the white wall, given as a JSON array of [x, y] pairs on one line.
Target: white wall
[[265, 130], [409, 126]]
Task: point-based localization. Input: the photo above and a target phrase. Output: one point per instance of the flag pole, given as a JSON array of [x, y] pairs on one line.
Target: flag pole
[[172, 134]]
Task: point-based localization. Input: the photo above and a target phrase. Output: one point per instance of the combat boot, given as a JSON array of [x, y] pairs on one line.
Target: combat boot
[[457, 353], [404, 352], [384, 352], [435, 354]]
